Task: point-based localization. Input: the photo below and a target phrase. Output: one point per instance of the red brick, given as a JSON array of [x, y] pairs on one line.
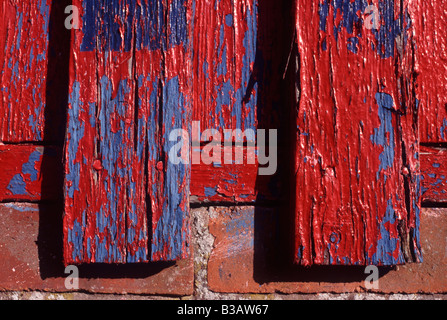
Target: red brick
[[31, 259], [250, 256]]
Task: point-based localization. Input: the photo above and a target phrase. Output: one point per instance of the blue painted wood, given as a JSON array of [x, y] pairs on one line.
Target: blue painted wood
[[125, 199]]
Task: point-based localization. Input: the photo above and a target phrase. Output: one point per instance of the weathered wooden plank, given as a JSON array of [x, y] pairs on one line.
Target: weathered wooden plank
[[225, 92], [23, 54], [357, 175], [232, 182], [33, 81], [268, 81], [429, 20], [239, 61], [224, 182], [126, 200]]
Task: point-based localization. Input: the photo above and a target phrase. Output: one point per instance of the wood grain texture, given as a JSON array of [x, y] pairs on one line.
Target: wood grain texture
[[430, 19], [240, 55], [34, 49], [24, 40], [357, 174], [228, 92], [232, 183], [224, 55], [125, 201]]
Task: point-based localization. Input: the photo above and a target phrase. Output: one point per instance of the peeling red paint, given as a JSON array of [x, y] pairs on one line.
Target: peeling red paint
[[124, 199], [232, 182], [356, 131], [224, 53], [430, 19], [24, 43], [32, 81]]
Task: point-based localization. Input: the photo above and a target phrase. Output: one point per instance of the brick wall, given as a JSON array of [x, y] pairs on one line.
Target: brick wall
[[238, 253]]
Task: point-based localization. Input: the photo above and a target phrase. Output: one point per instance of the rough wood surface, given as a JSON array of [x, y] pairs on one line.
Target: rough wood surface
[[241, 51], [429, 22], [224, 54], [357, 175], [23, 56], [130, 83], [232, 183], [34, 46]]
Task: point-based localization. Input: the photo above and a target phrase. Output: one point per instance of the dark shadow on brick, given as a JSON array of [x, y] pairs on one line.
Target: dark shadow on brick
[[50, 237]]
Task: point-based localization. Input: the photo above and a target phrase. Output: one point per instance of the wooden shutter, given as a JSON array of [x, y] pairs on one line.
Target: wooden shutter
[[357, 167], [130, 82], [339, 58]]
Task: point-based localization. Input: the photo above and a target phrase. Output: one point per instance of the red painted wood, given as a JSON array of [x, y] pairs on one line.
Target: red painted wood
[[357, 190], [224, 55], [224, 44], [30, 173], [238, 52], [430, 19], [21, 164], [233, 182], [24, 42], [209, 183], [223, 183], [33, 83], [125, 201], [434, 174]]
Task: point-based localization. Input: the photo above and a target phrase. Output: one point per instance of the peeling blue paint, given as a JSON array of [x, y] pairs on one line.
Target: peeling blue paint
[[155, 27], [76, 131], [229, 20], [170, 231], [29, 167], [148, 19], [75, 236], [210, 192], [384, 135], [386, 36], [386, 245], [443, 128], [17, 185]]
